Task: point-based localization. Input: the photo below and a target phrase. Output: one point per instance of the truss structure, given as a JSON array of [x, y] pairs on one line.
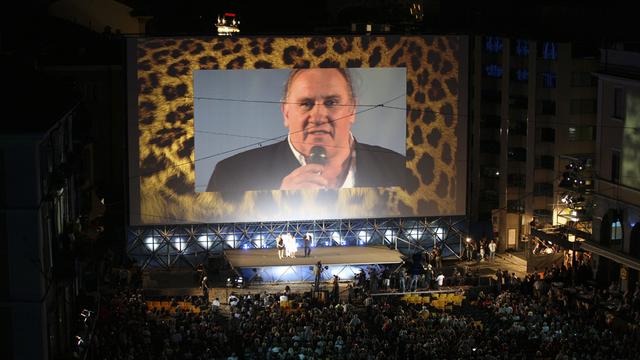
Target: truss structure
[[171, 246]]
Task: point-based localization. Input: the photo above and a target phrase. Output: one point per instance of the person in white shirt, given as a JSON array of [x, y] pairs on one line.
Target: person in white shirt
[[215, 304], [440, 280], [492, 250]]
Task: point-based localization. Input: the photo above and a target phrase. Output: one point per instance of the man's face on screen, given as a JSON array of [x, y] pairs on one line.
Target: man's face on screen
[[319, 110]]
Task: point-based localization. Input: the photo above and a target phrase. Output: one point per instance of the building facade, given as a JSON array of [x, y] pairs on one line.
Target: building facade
[[532, 114], [616, 222]]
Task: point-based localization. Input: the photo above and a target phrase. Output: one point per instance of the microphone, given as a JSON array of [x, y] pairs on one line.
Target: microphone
[[318, 155]]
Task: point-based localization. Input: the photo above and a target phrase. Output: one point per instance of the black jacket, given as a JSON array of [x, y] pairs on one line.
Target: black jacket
[[264, 168]]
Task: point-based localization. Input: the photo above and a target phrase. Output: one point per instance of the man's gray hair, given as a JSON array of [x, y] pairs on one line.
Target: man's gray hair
[[344, 72]]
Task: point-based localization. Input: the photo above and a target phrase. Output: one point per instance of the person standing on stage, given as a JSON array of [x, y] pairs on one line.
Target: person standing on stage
[[492, 251], [280, 246], [292, 245], [204, 285], [307, 245], [317, 271], [336, 289]]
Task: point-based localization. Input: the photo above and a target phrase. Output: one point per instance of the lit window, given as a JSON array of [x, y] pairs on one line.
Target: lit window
[[522, 74], [494, 70], [550, 51], [616, 230], [548, 80], [493, 44], [522, 47]]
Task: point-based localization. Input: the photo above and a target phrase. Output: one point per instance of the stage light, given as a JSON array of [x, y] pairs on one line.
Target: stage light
[[231, 240], [363, 237], [229, 283], [245, 246], [468, 239], [179, 243], [389, 234], [335, 236], [151, 243], [204, 241]]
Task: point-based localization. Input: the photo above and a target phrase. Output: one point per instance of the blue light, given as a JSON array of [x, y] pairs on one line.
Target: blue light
[[245, 246]]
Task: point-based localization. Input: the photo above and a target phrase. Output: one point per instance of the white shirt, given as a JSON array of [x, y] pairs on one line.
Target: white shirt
[[349, 181], [492, 247], [440, 279]]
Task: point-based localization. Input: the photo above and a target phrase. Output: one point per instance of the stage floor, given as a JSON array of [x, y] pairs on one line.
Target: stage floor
[[334, 255]]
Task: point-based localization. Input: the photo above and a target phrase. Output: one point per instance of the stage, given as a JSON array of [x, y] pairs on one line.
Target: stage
[[263, 265]]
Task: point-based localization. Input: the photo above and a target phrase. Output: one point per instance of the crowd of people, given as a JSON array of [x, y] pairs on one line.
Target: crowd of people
[[543, 316]]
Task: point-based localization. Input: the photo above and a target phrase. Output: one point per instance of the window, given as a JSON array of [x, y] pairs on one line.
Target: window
[[549, 80], [490, 171], [544, 162], [581, 133], [546, 135], [517, 180], [489, 147], [543, 189], [522, 47], [493, 70], [542, 213], [490, 122], [618, 103], [515, 206], [491, 95], [489, 196], [517, 154], [583, 79], [518, 128], [583, 106], [549, 50], [546, 107], [520, 74], [518, 101], [616, 230], [615, 166], [493, 44]]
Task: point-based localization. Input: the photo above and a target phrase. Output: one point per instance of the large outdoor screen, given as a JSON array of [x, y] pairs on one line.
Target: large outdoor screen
[[304, 128]]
